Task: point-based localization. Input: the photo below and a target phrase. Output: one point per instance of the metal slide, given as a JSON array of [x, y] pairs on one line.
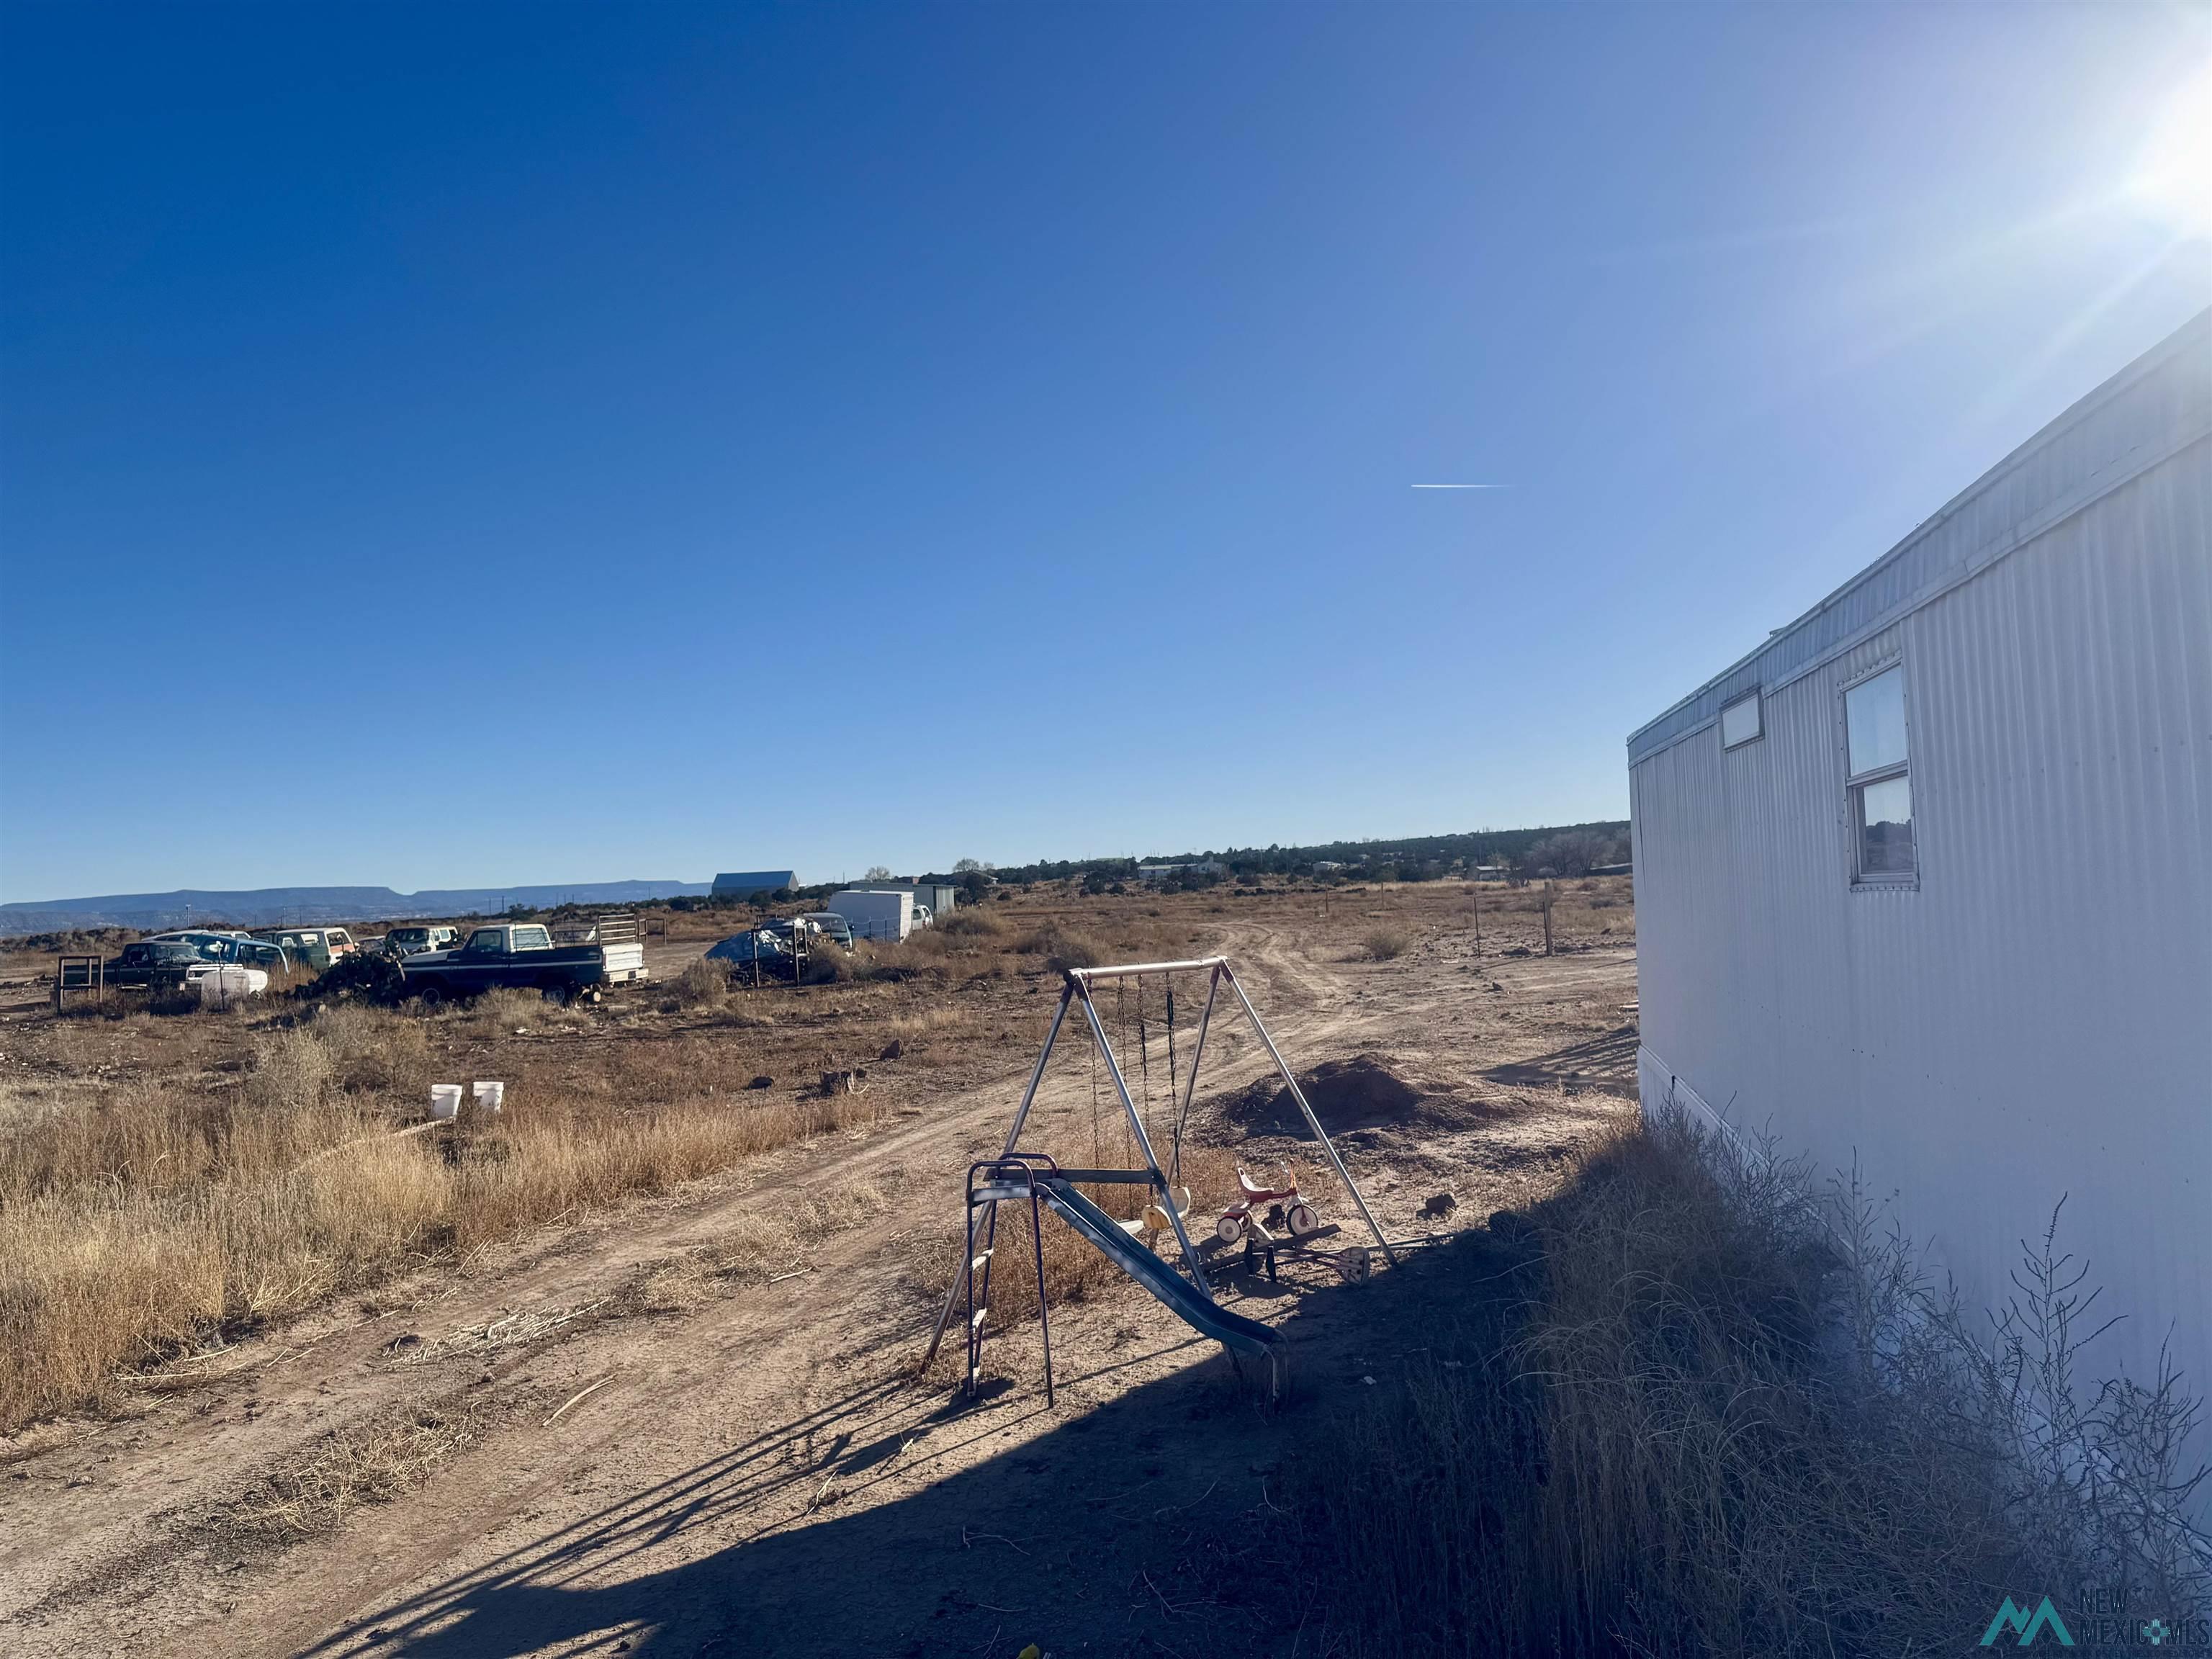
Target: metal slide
[[1232, 1330]]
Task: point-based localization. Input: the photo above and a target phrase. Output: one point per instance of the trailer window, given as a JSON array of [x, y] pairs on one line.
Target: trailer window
[[1740, 721], [1879, 784]]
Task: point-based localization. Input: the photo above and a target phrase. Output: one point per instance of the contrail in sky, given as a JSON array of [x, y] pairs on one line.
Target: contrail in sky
[[1462, 486]]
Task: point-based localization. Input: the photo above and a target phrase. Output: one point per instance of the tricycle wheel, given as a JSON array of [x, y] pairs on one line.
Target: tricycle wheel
[[1302, 1220], [1229, 1229]]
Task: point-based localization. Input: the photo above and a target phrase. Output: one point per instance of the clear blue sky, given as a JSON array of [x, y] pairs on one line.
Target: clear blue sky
[[489, 444]]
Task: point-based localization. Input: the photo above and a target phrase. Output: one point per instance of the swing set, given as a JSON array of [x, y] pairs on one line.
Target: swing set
[[1038, 1181]]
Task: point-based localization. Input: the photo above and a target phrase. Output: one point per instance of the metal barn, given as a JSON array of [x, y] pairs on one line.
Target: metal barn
[[753, 883], [1925, 881]]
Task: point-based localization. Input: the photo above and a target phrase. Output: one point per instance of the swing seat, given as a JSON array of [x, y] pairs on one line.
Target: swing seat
[[1155, 1215]]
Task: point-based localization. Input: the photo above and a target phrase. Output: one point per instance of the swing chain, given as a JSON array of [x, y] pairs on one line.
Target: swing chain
[[1174, 1099], [1144, 1056]]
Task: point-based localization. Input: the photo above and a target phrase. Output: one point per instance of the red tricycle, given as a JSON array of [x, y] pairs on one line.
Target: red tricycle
[[1286, 1209]]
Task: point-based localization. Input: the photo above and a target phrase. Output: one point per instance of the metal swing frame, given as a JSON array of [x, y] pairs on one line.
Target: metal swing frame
[[1077, 988]]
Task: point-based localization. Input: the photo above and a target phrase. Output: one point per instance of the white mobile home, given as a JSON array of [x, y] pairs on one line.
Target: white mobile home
[[1925, 881]]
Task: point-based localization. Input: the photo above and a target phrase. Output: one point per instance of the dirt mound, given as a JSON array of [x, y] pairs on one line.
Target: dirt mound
[[1358, 1093]]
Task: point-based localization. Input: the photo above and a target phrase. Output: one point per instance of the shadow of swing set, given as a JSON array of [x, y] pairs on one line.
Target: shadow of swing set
[[1021, 1175]]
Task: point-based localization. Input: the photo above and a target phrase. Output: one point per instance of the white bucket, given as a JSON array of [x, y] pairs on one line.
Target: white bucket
[[445, 1101], [490, 1096]]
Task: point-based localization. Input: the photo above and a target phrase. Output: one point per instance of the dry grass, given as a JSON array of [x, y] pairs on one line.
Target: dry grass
[[702, 984], [381, 1457], [1386, 941], [135, 1227], [1643, 1457], [506, 1009], [1670, 1419], [1064, 947], [164, 1182], [972, 921]]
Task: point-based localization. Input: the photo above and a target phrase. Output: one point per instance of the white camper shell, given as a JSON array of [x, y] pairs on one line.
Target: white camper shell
[[874, 915]]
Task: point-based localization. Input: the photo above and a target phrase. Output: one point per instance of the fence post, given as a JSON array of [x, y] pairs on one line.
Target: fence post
[[1547, 918]]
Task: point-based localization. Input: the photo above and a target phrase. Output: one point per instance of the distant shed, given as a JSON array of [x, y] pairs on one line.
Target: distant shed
[[940, 895], [1923, 884], [753, 883]]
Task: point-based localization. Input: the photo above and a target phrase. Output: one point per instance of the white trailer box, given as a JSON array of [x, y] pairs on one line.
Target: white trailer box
[[874, 915]]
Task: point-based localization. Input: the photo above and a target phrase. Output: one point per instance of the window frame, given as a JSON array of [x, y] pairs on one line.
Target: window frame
[[1855, 784], [1757, 698]]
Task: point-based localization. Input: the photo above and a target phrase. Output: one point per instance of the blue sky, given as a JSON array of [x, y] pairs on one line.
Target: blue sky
[[492, 444]]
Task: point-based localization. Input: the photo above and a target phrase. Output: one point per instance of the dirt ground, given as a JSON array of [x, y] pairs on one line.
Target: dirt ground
[[597, 1440]]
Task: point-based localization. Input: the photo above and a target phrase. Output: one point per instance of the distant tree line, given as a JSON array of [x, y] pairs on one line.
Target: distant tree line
[[1559, 850], [1566, 851]]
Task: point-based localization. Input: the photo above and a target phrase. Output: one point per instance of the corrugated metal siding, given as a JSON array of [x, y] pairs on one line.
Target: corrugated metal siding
[[2034, 1019], [2158, 404]]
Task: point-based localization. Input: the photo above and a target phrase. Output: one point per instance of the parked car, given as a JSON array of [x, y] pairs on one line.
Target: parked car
[[407, 941], [228, 944], [922, 918], [153, 964], [258, 953], [246, 950], [314, 948], [832, 926], [521, 954]]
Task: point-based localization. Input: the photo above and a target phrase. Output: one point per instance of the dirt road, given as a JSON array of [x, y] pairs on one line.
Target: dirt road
[[635, 1446]]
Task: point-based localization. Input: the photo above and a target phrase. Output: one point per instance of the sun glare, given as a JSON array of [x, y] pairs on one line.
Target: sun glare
[[2172, 179]]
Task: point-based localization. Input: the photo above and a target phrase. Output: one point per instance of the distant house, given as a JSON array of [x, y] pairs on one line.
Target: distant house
[[1196, 867], [1324, 867], [753, 883], [1491, 873]]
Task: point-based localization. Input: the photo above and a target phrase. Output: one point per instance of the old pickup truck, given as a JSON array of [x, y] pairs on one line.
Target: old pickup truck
[[521, 954]]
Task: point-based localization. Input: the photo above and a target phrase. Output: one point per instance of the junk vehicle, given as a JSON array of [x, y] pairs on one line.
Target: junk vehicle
[[229, 945], [314, 948], [407, 941], [875, 915], [153, 964], [521, 954], [831, 926], [760, 949]]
